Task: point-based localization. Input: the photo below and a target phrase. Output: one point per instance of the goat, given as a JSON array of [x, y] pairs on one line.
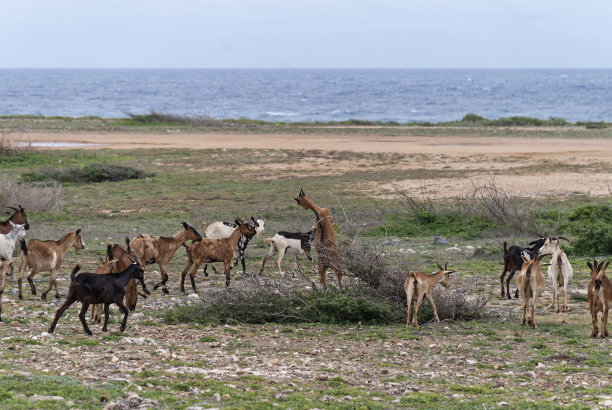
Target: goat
[[419, 284], [530, 281], [213, 250], [513, 262], [560, 270], [90, 288], [17, 216], [5, 267], [148, 249], [9, 240], [599, 296], [42, 256], [117, 259], [295, 243], [324, 240], [221, 230]]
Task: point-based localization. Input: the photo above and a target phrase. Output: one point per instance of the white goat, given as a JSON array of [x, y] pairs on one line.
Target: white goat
[[293, 243], [560, 270], [8, 240], [222, 230]]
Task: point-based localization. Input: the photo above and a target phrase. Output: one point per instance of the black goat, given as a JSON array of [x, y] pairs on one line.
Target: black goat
[[513, 262], [91, 288]]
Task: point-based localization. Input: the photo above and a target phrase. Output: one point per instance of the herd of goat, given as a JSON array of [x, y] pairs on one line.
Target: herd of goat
[[115, 278]]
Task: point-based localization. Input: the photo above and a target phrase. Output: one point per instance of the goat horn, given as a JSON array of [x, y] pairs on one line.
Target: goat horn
[[564, 238], [13, 208], [445, 266]]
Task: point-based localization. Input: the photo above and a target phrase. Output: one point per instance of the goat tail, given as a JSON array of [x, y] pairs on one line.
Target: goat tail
[[24, 248], [109, 251], [505, 247], [268, 240], [74, 272], [127, 244]]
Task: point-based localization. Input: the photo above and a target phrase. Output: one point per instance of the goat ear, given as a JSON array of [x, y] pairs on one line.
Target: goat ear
[[302, 192], [185, 225], [590, 265], [605, 266], [238, 222], [440, 267], [78, 231]]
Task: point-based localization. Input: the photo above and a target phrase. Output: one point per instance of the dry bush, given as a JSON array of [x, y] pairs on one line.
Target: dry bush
[[33, 196]]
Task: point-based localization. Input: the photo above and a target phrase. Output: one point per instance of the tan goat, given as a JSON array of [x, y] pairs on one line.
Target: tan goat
[[159, 249], [214, 250], [599, 296], [530, 281], [5, 268], [42, 256], [419, 284], [117, 260]]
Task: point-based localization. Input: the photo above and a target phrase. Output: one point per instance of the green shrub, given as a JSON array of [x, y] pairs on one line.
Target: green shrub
[[98, 172], [265, 305], [427, 223], [473, 118], [591, 227]]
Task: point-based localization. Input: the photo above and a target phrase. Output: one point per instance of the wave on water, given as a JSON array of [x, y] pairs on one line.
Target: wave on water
[[400, 95]]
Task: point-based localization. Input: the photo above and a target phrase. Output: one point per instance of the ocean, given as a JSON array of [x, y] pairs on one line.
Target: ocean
[[402, 95]]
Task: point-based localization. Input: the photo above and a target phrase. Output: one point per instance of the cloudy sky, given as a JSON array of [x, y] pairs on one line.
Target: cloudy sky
[[305, 33]]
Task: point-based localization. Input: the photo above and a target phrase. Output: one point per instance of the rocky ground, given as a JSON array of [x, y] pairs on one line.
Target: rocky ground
[[489, 363]]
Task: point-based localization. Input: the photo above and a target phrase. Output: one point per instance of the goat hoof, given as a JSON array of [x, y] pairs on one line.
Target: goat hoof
[[122, 328], [20, 297], [34, 292], [104, 329], [165, 291], [57, 296], [43, 297], [89, 333]]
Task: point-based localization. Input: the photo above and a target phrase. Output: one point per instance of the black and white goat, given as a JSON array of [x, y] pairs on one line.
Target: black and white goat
[[293, 243], [91, 288], [513, 261], [222, 230]]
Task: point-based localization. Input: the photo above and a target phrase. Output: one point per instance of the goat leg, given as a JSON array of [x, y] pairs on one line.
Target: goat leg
[[82, 318], [125, 315], [105, 327], [32, 286], [69, 301]]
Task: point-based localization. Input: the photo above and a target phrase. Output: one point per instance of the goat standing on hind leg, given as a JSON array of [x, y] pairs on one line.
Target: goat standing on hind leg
[[324, 240], [419, 284], [599, 296]]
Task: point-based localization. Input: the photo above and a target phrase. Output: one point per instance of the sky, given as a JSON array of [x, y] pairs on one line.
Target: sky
[[305, 34]]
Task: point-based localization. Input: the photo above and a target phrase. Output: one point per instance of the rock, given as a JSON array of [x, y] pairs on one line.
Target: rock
[[131, 401], [438, 240], [193, 296], [36, 397], [606, 403], [217, 397]]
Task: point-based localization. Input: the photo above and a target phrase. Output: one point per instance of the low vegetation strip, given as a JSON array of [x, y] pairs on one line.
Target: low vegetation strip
[[97, 172]]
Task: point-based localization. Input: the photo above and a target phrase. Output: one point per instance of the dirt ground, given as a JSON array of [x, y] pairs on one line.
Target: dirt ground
[[527, 166]]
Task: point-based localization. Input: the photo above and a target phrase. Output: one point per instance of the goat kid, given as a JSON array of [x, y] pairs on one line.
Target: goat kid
[[148, 249], [294, 243], [221, 230], [213, 250], [41, 256], [90, 288], [17, 216], [324, 240], [599, 296], [9, 240], [513, 262], [560, 271], [419, 284], [5, 268], [529, 282]]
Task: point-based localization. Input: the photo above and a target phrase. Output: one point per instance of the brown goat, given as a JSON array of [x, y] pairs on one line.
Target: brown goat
[[419, 284], [5, 267], [214, 250], [17, 216], [117, 260], [42, 256], [599, 296], [529, 282], [324, 240], [148, 249]]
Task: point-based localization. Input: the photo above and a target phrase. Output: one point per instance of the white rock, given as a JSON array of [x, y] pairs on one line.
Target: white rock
[[217, 397]]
